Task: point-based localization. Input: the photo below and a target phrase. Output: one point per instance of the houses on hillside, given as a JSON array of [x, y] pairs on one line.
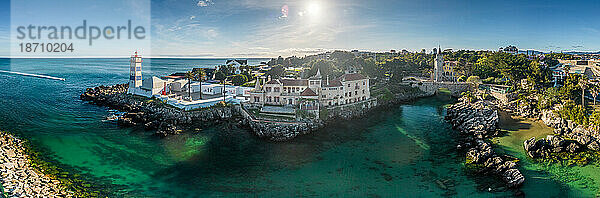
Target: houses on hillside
[[588, 68]]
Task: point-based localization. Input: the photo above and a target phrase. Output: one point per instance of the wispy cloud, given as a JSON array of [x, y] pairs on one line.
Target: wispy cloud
[[204, 3]]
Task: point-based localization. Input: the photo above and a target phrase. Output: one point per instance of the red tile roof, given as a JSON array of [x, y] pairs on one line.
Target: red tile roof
[[308, 92], [332, 83], [294, 82], [273, 82]]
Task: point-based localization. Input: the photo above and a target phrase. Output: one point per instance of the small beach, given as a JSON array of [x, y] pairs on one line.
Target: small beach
[[556, 180]]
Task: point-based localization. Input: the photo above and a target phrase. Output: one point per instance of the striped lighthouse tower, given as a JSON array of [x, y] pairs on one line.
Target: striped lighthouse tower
[[135, 71]]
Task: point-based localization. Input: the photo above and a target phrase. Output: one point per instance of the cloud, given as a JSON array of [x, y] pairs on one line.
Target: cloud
[[303, 50], [211, 33], [192, 17], [577, 46], [204, 3]]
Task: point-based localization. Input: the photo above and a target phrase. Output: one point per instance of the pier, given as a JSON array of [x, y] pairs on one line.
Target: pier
[[33, 75]]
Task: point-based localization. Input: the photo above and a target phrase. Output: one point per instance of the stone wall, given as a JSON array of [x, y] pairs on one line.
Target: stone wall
[[456, 88], [349, 111], [276, 130]]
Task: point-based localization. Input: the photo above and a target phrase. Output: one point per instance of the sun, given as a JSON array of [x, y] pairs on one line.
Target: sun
[[313, 8]]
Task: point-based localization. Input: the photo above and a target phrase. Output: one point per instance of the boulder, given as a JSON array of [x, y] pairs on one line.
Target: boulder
[[593, 146]]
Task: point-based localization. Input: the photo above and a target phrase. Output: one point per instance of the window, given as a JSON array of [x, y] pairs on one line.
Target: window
[[256, 99], [268, 89], [346, 94], [276, 89], [364, 83], [349, 94], [355, 92], [363, 91]]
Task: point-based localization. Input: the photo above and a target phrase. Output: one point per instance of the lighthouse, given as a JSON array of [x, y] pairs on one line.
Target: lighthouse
[[135, 71]]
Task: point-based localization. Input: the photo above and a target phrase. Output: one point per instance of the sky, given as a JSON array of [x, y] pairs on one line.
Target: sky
[[271, 28]]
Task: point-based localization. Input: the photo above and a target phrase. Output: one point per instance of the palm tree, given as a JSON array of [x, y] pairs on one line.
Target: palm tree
[[189, 75], [199, 74], [583, 83]]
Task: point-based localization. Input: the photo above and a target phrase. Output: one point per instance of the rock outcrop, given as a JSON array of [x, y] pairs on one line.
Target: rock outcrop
[[19, 178], [569, 137], [477, 121], [154, 114]]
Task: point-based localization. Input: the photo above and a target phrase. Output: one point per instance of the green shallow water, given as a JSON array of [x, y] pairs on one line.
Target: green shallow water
[[551, 180], [395, 152]]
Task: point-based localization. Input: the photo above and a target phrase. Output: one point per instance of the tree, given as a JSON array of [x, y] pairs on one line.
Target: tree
[[239, 79], [199, 74], [594, 91], [468, 95], [276, 71], [583, 84], [219, 75], [595, 120], [189, 75], [573, 112], [473, 79]]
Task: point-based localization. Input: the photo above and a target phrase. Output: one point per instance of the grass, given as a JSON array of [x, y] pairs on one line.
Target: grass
[[571, 159], [2, 193]]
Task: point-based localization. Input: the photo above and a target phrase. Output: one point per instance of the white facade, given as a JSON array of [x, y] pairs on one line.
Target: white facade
[[135, 72], [348, 88]]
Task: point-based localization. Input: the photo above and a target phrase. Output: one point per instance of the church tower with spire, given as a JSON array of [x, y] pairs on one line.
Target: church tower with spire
[[438, 65]]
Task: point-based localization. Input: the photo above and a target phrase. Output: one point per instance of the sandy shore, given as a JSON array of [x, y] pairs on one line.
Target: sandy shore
[[19, 178]]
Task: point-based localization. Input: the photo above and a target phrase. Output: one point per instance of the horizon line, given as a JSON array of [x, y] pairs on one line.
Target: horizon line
[[228, 57]]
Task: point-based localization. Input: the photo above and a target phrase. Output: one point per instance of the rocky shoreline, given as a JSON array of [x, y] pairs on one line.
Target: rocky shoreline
[[153, 114], [569, 138], [477, 122], [19, 177]]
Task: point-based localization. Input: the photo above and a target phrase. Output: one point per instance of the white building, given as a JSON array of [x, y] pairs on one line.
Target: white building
[[235, 63], [349, 88], [135, 72]]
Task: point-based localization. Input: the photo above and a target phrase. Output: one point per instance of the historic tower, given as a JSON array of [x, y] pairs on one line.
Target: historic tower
[[438, 67], [135, 71]]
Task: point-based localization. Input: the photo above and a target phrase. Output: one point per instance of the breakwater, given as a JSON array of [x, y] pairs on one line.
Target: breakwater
[[19, 177], [477, 122]]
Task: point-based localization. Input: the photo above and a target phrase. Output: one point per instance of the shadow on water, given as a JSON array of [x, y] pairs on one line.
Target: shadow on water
[[236, 156]]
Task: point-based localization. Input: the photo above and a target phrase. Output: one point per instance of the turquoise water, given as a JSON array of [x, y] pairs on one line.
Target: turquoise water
[[405, 151]]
